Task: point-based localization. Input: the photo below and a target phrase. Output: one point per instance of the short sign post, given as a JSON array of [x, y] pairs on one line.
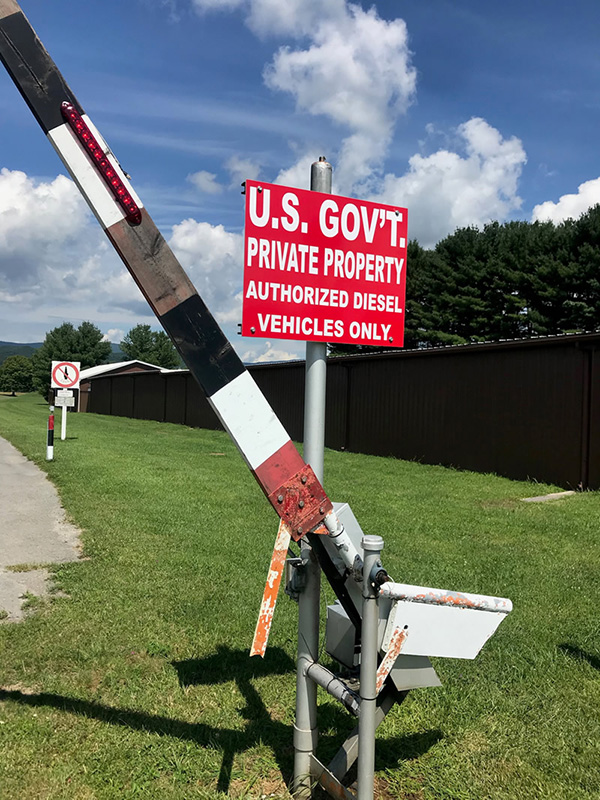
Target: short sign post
[[64, 378], [65, 399]]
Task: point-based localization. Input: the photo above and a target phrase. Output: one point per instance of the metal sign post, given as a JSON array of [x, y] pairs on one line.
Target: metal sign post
[[305, 728]]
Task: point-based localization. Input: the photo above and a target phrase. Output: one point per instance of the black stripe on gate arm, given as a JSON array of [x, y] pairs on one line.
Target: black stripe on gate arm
[[203, 345], [33, 71]]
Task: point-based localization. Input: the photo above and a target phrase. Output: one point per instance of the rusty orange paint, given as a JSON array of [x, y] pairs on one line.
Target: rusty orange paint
[[396, 645], [267, 607]]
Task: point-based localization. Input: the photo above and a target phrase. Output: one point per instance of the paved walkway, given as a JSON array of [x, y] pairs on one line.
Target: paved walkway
[[33, 530]]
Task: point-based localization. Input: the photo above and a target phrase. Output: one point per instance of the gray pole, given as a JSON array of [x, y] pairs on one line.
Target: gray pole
[[316, 360], [305, 728], [372, 547]]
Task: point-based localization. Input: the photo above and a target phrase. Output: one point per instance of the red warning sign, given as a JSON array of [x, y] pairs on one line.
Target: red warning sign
[[65, 374], [323, 268]]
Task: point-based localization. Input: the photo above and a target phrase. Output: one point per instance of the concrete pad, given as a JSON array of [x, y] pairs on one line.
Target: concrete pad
[[33, 529], [543, 498]]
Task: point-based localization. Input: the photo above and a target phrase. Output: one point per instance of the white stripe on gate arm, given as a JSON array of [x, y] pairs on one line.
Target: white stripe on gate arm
[[249, 419], [91, 184]]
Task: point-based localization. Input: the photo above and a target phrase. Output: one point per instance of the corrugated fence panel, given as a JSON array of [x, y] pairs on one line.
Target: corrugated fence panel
[[284, 389], [122, 401], [175, 391], [150, 396], [594, 421], [336, 405], [527, 409], [99, 396], [517, 414], [198, 412]]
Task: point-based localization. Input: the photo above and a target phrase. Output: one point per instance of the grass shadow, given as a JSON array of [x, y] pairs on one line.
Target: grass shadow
[[261, 728], [220, 667], [579, 654], [235, 665]]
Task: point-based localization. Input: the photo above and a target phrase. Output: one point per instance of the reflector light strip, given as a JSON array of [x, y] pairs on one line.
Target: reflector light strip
[[98, 157]]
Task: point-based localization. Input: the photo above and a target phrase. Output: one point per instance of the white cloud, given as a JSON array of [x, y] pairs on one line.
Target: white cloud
[[242, 169], [569, 206], [355, 70], [278, 17], [272, 351], [298, 175], [447, 190], [213, 259], [63, 268], [59, 265], [37, 221], [216, 5], [114, 335], [205, 181]]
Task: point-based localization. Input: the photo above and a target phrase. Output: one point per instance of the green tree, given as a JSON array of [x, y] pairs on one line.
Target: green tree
[[165, 354], [91, 349], [67, 343], [154, 347], [16, 374], [505, 281]]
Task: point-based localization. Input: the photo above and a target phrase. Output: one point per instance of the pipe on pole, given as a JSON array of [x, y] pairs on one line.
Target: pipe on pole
[[324, 678], [443, 597]]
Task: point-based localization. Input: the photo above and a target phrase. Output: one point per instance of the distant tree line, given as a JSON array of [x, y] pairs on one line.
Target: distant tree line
[[84, 344], [16, 374], [68, 343], [506, 281]]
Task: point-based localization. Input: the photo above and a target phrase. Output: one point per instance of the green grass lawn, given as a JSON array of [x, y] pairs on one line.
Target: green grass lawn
[[138, 682]]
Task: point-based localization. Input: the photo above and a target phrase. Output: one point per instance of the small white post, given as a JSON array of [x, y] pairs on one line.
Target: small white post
[[63, 423]]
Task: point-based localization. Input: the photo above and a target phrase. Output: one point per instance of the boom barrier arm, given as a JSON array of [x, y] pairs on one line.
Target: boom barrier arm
[[289, 484]]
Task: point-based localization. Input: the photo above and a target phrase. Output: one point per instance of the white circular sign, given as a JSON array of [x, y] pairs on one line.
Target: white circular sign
[[65, 374]]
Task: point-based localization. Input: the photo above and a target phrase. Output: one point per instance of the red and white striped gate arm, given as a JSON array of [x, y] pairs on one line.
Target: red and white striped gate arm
[[290, 485]]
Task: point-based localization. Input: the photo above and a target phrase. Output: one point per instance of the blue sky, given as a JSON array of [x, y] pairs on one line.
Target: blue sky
[[462, 111]]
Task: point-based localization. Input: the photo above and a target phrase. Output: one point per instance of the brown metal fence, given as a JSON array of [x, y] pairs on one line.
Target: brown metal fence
[[524, 409]]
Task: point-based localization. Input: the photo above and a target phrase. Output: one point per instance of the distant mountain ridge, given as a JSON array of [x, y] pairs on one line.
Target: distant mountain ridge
[[21, 349], [17, 349]]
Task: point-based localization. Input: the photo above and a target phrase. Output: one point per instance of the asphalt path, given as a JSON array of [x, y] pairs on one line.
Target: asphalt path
[[33, 531]]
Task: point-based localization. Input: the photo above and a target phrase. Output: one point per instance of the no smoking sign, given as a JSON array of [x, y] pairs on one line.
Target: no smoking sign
[[65, 374]]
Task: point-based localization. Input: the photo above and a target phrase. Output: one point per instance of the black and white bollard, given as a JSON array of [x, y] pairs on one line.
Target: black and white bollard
[[50, 445]]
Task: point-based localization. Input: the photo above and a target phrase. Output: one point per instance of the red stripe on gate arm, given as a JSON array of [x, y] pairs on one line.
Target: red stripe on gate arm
[[293, 490], [279, 467]]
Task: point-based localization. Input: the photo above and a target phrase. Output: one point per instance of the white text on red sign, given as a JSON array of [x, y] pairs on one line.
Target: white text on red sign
[[323, 268]]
